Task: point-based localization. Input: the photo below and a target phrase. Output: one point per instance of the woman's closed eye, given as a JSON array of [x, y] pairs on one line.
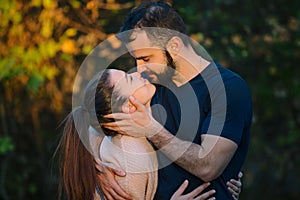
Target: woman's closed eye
[[128, 78]]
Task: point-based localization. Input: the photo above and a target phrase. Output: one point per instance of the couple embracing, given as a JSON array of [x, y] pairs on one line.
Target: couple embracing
[[178, 128]]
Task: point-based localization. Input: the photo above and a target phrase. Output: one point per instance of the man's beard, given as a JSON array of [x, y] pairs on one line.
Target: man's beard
[[165, 77]]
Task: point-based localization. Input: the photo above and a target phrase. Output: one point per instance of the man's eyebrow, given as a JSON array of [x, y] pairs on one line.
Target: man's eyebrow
[[126, 77]]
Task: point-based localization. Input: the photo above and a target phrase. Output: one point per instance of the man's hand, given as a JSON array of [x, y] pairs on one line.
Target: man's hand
[[107, 182], [140, 123], [235, 186], [193, 194]]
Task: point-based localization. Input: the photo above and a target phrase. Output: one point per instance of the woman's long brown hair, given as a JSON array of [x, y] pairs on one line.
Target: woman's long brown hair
[[78, 175], [77, 167]]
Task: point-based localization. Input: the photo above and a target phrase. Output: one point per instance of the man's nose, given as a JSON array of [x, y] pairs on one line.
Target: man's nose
[[141, 68]]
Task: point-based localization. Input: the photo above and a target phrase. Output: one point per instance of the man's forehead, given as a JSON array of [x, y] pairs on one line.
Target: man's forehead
[[140, 45], [139, 40]]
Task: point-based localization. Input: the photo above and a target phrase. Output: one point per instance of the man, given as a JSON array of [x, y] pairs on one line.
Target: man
[[210, 146]]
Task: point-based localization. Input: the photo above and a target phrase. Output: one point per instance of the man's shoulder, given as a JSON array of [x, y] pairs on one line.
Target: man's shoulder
[[228, 73]]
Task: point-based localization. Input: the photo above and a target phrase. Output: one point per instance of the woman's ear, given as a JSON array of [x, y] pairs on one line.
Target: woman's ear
[[127, 107]]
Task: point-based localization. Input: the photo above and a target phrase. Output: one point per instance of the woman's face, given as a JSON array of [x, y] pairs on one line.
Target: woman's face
[[132, 84]]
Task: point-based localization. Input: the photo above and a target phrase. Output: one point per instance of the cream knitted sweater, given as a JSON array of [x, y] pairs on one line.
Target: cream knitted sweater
[[137, 158]]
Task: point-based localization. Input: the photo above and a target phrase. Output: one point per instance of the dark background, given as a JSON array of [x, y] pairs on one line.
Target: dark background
[[43, 43]]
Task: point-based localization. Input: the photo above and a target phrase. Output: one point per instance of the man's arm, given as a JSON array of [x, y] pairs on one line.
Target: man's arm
[[206, 161]]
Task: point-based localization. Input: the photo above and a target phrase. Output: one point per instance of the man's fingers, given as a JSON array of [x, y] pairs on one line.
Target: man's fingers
[[139, 106], [111, 124], [118, 116], [98, 165], [121, 193], [106, 195], [114, 191], [116, 128], [114, 169], [117, 124], [118, 193], [111, 195], [98, 161], [118, 172], [110, 187]]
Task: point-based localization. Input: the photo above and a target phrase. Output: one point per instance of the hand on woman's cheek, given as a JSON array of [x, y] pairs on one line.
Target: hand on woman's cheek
[[128, 108], [143, 94]]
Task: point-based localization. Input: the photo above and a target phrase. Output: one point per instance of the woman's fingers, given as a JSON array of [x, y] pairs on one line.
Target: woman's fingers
[[181, 189], [205, 195], [198, 190], [233, 185], [194, 194], [240, 175], [235, 195]]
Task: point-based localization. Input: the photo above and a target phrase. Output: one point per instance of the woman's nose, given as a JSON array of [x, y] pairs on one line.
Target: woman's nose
[[136, 74]]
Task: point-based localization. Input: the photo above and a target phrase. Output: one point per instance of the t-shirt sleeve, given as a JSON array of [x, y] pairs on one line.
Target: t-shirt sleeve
[[231, 112]]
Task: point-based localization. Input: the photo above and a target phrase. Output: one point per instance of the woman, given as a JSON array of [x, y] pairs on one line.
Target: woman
[[103, 95]]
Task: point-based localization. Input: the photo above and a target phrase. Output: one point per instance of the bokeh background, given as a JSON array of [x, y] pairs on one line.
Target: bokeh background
[[43, 43]]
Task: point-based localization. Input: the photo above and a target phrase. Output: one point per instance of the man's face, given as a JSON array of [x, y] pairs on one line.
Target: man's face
[[152, 62]]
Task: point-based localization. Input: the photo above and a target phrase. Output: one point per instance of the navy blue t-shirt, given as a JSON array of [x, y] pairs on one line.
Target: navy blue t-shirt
[[217, 101]]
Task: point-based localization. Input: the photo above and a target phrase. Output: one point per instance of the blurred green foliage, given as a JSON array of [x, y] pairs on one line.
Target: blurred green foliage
[[6, 145], [43, 43]]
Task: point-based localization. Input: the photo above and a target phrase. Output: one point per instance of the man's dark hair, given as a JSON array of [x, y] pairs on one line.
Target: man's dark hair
[[155, 14]]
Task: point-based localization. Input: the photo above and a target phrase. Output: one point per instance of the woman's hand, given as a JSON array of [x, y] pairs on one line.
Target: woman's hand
[[107, 182], [194, 194], [235, 186]]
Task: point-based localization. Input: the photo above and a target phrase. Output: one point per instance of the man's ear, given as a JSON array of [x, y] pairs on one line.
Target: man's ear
[[174, 45], [127, 107]]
